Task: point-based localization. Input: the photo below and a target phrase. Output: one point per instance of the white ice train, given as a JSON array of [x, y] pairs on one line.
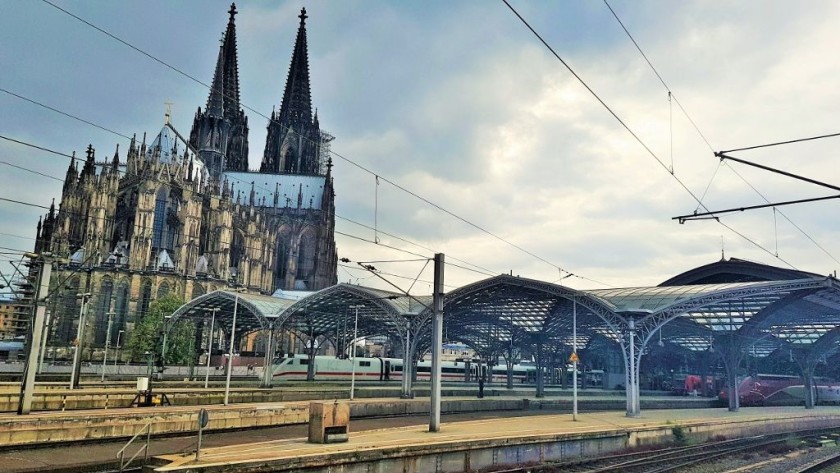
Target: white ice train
[[328, 368]]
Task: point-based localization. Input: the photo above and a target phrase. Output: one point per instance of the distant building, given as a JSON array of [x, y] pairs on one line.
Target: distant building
[[187, 216], [13, 318]]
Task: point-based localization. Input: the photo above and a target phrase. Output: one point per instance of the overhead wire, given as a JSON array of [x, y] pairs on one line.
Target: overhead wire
[[630, 131], [671, 95], [779, 143], [74, 117], [30, 170], [126, 173], [336, 154]]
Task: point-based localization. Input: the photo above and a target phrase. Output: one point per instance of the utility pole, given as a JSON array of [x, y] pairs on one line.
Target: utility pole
[[437, 343], [43, 349], [36, 329], [75, 372], [107, 342], [210, 345], [230, 348]]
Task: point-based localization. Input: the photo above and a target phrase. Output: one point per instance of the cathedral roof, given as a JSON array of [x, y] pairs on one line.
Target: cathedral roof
[[288, 188], [164, 144]]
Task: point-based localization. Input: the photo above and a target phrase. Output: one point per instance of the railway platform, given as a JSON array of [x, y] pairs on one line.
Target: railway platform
[[54, 427], [495, 443]]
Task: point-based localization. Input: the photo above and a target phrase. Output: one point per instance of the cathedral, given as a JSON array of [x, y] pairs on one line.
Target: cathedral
[[188, 216]]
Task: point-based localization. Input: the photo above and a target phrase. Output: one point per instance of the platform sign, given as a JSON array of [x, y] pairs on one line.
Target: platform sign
[[574, 358]]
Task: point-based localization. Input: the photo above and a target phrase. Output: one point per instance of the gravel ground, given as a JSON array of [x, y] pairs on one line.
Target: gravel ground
[[767, 460]]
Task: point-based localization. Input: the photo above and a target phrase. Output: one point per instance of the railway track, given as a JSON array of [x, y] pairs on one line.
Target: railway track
[[825, 465], [675, 459]]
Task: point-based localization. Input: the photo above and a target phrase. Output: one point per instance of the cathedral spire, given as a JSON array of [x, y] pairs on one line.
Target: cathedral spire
[[115, 163], [293, 138], [297, 102], [220, 132], [72, 174], [223, 100], [89, 170]]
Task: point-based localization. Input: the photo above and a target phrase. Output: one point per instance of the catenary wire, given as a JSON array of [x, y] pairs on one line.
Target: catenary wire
[[779, 143], [74, 117], [703, 136], [338, 155], [125, 172], [633, 134], [30, 170]]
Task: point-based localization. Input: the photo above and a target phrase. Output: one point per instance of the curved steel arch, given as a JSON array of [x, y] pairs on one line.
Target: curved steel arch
[[363, 293], [596, 305], [649, 323], [229, 298]]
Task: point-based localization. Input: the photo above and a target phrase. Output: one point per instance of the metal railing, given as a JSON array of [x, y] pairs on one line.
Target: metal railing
[[145, 448]]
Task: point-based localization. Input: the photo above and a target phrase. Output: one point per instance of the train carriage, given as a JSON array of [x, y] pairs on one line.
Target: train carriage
[[328, 368]]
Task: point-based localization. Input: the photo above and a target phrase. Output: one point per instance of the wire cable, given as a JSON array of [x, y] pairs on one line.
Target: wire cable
[[40, 148], [74, 117], [30, 170], [703, 136], [338, 155], [630, 131], [779, 143]]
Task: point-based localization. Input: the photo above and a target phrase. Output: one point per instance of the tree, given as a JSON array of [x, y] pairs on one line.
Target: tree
[[147, 336]]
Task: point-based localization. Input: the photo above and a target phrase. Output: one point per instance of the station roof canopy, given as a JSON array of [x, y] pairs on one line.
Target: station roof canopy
[[332, 312], [254, 311], [507, 310]]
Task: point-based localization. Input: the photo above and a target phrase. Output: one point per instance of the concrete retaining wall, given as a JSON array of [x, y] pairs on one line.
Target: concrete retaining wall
[[500, 454], [58, 427]]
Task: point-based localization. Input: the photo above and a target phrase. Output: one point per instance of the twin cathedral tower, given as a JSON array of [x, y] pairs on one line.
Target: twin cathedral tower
[[188, 216]]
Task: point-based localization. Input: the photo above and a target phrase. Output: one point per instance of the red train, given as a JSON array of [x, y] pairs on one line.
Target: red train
[[782, 390]]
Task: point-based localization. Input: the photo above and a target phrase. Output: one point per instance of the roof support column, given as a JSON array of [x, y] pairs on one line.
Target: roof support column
[[268, 368], [633, 371], [731, 355], [406, 368], [807, 362], [540, 368]]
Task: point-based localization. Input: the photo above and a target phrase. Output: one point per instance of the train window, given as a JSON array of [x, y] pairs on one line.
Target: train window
[[304, 361], [396, 367], [424, 369], [364, 363]]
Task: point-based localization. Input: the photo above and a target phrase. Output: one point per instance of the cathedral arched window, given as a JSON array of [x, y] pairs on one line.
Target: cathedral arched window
[[281, 258], [121, 310], [65, 331], [106, 289], [145, 300], [237, 248], [163, 290], [159, 226], [306, 261], [198, 290]]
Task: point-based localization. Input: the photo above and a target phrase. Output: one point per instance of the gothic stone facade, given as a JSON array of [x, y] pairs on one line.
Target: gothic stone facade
[[187, 217]]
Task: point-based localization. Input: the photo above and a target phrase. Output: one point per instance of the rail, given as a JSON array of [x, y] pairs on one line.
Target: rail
[[145, 448]]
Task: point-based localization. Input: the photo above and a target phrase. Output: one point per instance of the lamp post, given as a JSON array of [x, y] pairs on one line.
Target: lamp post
[[210, 344], [353, 352], [230, 347], [75, 373], [107, 342], [117, 355]]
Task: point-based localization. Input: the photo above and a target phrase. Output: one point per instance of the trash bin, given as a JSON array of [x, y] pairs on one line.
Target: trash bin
[[329, 422]]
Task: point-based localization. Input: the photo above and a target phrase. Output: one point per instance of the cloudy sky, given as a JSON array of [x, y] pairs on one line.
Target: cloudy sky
[[460, 103]]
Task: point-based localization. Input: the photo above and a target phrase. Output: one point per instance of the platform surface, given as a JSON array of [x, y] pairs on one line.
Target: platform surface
[[478, 431]]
